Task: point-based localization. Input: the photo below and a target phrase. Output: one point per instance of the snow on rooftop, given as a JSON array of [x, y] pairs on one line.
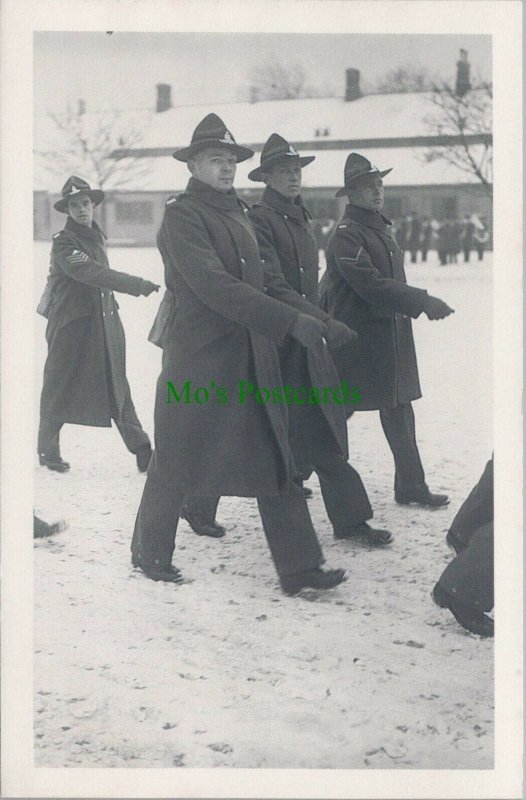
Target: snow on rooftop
[[165, 174], [372, 117]]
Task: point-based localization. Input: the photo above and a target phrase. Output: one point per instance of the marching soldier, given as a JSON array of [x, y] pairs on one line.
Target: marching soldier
[[286, 244], [224, 332], [365, 287], [85, 372]]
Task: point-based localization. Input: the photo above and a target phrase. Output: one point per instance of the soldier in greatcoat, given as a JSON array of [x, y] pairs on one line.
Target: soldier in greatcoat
[[85, 372], [286, 243], [317, 433], [223, 333], [365, 287], [466, 585]]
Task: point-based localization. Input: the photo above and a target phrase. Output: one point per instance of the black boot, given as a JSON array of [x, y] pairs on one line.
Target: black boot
[[53, 462], [470, 618], [422, 498], [316, 578], [374, 537], [200, 525]]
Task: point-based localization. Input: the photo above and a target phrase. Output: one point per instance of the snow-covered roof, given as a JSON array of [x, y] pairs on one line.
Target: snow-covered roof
[[377, 116], [165, 174]]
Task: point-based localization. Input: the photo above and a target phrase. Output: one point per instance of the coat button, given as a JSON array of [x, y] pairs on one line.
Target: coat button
[[304, 295], [285, 216], [302, 269], [242, 260]]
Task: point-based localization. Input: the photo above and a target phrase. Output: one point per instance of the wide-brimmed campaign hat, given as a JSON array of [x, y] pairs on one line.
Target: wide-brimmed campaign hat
[[277, 149], [212, 132], [357, 171], [75, 186]]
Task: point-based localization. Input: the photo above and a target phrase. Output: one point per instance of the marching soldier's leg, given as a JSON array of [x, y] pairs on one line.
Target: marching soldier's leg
[[290, 534], [153, 540], [343, 493], [129, 426], [475, 511], [200, 513], [399, 428]]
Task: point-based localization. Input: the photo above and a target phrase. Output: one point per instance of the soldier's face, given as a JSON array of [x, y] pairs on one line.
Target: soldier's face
[[370, 197], [81, 209], [285, 178], [215, 167]]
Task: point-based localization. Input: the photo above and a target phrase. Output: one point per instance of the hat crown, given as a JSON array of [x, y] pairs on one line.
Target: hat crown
[[212, 127], [275, 147], [75, 185], [357, 165]]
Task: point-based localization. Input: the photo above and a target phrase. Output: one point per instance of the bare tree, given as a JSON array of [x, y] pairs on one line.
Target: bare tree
[[277, 80], [81, 143], [405, 78], [467, 120]]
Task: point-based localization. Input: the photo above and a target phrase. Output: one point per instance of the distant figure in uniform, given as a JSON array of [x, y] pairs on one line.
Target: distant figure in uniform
[[410, 235], [365, 287], [466, 585], [425, 237], [85, 372], [467, 237], [228, 319]]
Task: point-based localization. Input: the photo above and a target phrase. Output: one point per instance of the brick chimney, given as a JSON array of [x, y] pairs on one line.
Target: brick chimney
[[352, 84], [164, 97], [463, 83]]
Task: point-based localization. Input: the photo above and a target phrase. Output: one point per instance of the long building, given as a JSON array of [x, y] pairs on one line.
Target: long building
[[392, 130]]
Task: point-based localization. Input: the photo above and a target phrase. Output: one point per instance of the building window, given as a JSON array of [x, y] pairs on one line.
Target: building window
[[136, 212], [444, 208]]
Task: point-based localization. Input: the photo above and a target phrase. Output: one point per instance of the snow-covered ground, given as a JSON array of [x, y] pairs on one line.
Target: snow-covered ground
[[225, 670]]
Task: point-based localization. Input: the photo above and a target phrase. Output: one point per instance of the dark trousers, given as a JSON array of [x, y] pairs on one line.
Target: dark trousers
[[127, 422], [414, 254], [399, 428], [476, 510], [469, 577], [467, 251], [286, 522], [480, 251], [424, 255], [343, 492]]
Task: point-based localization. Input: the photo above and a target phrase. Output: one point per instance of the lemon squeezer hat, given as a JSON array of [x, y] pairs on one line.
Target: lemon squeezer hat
[[357, 172], [212, 132], [74, 186], [276, 149]]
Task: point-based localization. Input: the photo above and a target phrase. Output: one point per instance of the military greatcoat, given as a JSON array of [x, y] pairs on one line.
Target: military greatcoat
[[84, 333], [224, 331], [287, 244], [365, 286]]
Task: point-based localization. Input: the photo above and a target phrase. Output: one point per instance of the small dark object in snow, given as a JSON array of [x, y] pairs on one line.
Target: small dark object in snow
[[410, 643]]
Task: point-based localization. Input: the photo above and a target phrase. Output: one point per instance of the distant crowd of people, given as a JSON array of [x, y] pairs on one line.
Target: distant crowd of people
[[449, 238]]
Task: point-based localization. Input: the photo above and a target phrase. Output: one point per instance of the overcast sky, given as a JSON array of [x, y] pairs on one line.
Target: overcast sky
[[119, 71]]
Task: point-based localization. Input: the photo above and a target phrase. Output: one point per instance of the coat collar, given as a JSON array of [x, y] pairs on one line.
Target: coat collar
[[295, 209], [95, 233], [371, 218], [224, 201]]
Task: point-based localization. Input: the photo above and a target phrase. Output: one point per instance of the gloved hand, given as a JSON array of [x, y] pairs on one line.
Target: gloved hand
[[338, 333], [148, 287], [435, 308], [308, 330]]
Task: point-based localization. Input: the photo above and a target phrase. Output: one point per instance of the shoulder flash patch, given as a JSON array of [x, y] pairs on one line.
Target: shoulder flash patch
[[171, 200], [342, 226], [56, 235]]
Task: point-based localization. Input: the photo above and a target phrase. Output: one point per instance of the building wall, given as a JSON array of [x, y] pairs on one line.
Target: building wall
[[133, 218]]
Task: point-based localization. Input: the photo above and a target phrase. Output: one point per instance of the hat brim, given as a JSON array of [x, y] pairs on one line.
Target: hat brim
[[62, 205], [241, 153], [349, 186], [260, 172]]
